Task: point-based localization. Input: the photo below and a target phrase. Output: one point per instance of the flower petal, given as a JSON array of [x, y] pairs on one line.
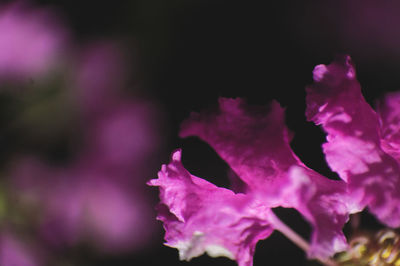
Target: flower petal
[[323, 202], [388, 110], [254, 141], [200, 217], [353, 147]]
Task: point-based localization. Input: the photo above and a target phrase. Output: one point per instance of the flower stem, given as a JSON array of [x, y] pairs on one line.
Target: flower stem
[[297, 239]]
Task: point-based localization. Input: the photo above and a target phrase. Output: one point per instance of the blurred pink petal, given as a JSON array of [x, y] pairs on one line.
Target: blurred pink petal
[[117, 219], [15, 253], [30, 41], [125, 135], [100, 76], [62, 211], [85, 204], [99, 211]]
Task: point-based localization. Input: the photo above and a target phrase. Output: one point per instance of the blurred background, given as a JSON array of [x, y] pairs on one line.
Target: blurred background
[[92, 96]]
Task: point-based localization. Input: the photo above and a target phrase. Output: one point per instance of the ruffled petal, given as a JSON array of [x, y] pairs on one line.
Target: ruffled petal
[[353, 147], [324, 203], [388, 110], [254, 141], [200, 217]]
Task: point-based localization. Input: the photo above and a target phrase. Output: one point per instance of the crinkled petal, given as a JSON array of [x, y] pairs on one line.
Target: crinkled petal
[[200, 217], [353, 147], [388, 110], [254, 141], [323, 202]]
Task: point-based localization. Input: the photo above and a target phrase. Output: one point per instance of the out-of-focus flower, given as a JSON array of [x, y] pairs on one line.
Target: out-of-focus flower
[[99, 75], [92, 208], [30, 41], [123, 136], [362, 147], [94, 193], [97, 197], [14, 252], [119, 130]]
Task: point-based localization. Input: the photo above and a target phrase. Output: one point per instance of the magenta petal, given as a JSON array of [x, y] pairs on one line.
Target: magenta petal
[[200, 217], [389, 116], [254, 141], [323, 202], [353, 147]]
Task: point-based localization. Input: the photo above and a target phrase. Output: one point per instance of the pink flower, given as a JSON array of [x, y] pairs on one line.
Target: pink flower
[[98, 197], [254, 141], [15, 252], [123, 136], [98, 77], [362, 147], [85, 204], [96, 210], [30, 41]]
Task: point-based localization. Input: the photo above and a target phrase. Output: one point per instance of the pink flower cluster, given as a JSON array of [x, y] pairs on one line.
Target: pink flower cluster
[[362, 147], [98, 196]]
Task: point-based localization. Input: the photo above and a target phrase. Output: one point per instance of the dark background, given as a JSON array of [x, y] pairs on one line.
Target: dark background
[[190, 52]]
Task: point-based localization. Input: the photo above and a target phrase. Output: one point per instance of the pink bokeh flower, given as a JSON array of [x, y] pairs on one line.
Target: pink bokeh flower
[[98, 195], [30, 41], [99, 73], [15, 252], [123, 136], [91, 207]]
